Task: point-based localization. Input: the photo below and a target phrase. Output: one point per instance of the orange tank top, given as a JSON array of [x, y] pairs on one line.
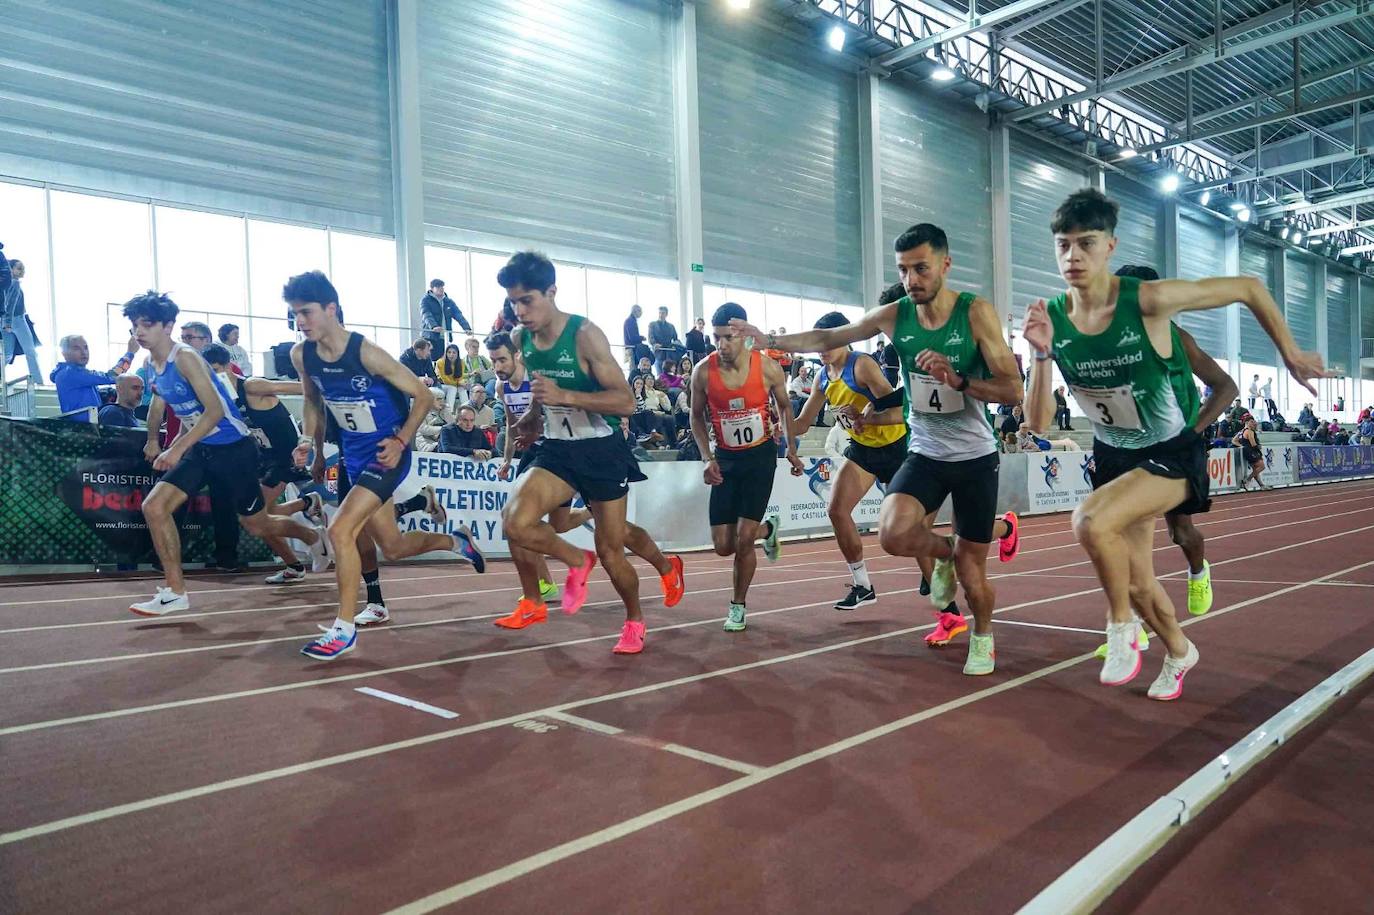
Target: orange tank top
[[740, 417]]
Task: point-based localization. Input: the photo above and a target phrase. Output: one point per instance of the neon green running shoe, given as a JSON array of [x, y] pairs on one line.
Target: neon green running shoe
[[943, 582], [1200, 591], [981, 656], [548, 591]]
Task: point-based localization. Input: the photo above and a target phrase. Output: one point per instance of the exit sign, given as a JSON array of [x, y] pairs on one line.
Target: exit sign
[[698, 268]]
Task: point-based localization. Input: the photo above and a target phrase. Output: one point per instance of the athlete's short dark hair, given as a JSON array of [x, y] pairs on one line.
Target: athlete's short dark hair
[[1086, 210], [922, 234], [1140, 272], [831, 319], [892, 294], [529, 270], [313, 286], [499, 340], [722, 315], [152, 306], [216, 354]]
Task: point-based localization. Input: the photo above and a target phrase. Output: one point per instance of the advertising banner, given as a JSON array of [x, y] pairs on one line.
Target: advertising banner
[[1057, 481], [1280, 464], [1222, 467], [1333, 462]]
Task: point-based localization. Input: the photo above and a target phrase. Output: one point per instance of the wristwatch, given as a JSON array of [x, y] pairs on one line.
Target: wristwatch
[[963, 385]]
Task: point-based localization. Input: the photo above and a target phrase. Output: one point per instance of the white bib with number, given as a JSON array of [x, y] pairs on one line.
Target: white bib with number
[[1113, 407], [742, 430], [930, 396], [352, 415], [568, 423]]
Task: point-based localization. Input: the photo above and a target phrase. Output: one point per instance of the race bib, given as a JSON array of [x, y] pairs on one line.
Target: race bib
[[190, 419], [568, 423], [352, 415], [930, 396], [261, 438], [742, 430], [1113, 407]]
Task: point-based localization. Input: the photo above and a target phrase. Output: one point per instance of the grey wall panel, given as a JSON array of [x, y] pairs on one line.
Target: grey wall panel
[[1367, 308], [551, 129], [1340, 296], [1201, 254], [276, 109], [935, 168], [1041, 178], [1137, 224], [779, 162], [1300, 299], [1255, 345]]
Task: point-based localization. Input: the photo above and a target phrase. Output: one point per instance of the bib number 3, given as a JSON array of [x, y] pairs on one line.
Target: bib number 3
[[930, 396], [1113, 407]]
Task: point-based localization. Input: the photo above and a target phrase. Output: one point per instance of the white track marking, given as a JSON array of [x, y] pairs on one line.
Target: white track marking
[[410, 703], [586, 724], [611, 730], [1096, 632]]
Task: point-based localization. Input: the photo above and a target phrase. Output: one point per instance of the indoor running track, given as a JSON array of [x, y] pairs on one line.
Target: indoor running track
[[817, 762]]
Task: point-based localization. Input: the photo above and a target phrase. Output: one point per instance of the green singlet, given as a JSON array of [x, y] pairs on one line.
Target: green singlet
[[560, 363]]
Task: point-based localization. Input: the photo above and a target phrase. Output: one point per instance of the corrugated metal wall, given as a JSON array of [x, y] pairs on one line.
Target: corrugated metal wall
[[1137, 225], [271, 109], [1041, 178], [935, 158], [551, 127], [779, 162], [1340, 294], [1255, 345], [1201, 254], [1300, 299]]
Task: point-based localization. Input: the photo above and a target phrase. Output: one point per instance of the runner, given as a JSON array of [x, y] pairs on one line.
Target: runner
[[1247, 439], [1107, 334], [513, 387], [213, 448], [583, 398], [955, 360], [732, 392], [364, 389]]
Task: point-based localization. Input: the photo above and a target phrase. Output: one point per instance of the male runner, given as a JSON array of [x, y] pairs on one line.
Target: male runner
[[1108, 335], [213, 447], [583, 399], [954, 359], [513, 387], [364, 389], [733, 390]]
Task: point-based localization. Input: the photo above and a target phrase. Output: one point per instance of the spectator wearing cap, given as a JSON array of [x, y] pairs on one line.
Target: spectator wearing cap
[[437, 312]]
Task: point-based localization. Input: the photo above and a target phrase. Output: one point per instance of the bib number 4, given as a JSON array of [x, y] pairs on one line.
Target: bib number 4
[[930, 396]]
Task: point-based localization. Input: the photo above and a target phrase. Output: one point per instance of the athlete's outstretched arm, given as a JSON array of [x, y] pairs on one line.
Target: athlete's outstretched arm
[[878, 321], [614, 398], [312, 414], [701, 420], [1224, 389], [266, 387], [815, 401]]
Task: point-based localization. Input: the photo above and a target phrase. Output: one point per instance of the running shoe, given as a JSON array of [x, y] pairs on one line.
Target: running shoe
[[947, 626], [631, 638], [286, 576], [372, 615], [465, 546], [163, 602], [925, 587], [1123, 654], [674, 583], [1200, 591], [548, 591], [771, 547], [1008, 546], [321, 555], [437, 513], [332, 644], [1144, 640], [857, 597], [314, 508], [575, 588], [734, 618], [943, 583], [526, 613], [981, 656], [1169, 684]]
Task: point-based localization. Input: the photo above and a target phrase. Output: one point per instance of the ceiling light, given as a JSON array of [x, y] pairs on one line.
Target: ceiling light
[[942, 73], [1205, 199], [1128, 153], [1297, 236], [738, 4], [1243, 214], [1169, 183], [1283, 233], [835, 39], [1237, 207]]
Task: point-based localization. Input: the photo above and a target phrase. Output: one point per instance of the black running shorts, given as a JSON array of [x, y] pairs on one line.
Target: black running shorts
[[1183, 457], [747, 484], [882, 462], [970, 485], [377, 479], [228, 470], [601, 469], [527, 461]]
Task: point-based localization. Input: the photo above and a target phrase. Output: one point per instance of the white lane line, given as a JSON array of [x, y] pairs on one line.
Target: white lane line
[[1097, 632], [516, 869], [410, 703], [424, 740], [586, 724], [425, 665], [611, 730], [711, 758]]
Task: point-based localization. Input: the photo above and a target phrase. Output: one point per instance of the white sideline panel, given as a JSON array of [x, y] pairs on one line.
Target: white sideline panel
[[1085, 885]]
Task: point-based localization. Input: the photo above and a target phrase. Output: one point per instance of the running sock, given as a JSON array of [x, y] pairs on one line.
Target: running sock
[[925, 587], [414, 504], [859, 570], [1194, 576], [296, 567], [766, 531], [348, 628], [952, 608], [373, 581]]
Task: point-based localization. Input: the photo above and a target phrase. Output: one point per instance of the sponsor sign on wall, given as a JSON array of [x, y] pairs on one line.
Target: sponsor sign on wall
[[1057, 481]]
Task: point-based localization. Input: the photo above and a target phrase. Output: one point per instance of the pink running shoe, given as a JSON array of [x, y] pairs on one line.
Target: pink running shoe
[[575, 588], [1007, 546], [947, 626], [631, 638]]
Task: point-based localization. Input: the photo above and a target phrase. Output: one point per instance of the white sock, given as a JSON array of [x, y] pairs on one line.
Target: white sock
[[1194, 576], [347, 627], [859, 570]]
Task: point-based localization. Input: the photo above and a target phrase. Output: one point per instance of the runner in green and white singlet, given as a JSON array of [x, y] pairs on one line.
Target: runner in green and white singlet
[[1113, 339]]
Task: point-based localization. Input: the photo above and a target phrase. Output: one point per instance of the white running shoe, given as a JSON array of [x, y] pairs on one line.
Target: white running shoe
[[163, 602], [1169, 684], [1123, 653], [314, 508], [321, 555], [286, 576], [436, 511], [372, 614]]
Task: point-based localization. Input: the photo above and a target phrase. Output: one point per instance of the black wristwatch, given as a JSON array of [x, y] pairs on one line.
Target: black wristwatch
[[963, 385]]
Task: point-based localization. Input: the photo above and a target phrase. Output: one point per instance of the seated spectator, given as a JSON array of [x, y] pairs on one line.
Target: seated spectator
[[77, 385], [799, 387], [1365, 414], [1306, 419], [1012, 424], [645, 366], [645, 423], [476, 367], [417, 359], [682, 410], [440, 415], [229, 339], [670, 378], [483, 415], [1237, 413], [1026, 440], [449, 371], [1007, 442], [1340, 403], [464, 438], [128, 395], [661, 404]]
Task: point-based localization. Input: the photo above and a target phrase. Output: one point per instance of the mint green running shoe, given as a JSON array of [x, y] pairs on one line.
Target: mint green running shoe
[[734, 618], [942, 581], [771, 547]]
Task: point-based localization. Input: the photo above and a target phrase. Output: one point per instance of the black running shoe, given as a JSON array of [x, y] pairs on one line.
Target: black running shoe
[[925, 588], [857, 597]]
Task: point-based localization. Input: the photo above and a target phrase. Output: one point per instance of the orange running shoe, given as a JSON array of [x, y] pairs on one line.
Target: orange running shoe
[[674, 585], [947, 626], [527, 613]]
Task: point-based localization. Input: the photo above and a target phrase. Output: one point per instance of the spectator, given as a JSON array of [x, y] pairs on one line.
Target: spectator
[[697, 344], [799, 388], [645, 422], [1237, 412], [449, 371], [635, 350], [1026, 440], [483, 416], [663, 339], [437, 311], [416, 358], [145, 371], [16, 328], [1365, 414], [440, 415], [128, 393], [1008, 442], [672, 378], [1061, 410], [476, 367], [1254, 391], [1267, 395], [505, 319], [662, 405], [1013, 422], [635, 447], [645, 367], [1306, 418], [76, 384], [463, 438], [229, 338], [1340, 403], [682, 410], [1248, 442], [1366, 429]]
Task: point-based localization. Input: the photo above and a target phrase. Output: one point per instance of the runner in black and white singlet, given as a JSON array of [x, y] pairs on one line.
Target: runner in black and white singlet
[[365, 390], [213, 448], [954, 360]]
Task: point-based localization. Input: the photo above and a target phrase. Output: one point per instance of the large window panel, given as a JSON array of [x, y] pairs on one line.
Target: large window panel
[[572, 289], [365, 275], [487, 295], [1041, 177], [201, 264], [1202, 254], [24, 215], [654, 291], [1259, 261], [1137, 225], [277, 252], [451, 266], [783, 311], [610, 294], [1300, 299]]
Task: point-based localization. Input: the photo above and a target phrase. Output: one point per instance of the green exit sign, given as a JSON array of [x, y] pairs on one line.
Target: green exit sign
[[698, 268]]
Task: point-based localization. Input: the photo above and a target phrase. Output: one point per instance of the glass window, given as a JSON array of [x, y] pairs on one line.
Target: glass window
[[200, 264], [486, 295], [712, 297], [610, 294], [783, 311], [654, 291], [277, 252], [102, 252], [26, 239], [451, 266], [364, 273], [572, 288], [753, 304]]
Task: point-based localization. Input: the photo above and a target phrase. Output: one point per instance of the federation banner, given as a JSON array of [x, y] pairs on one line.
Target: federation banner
[[1280, 464], [1333, 462], [1057, 481]]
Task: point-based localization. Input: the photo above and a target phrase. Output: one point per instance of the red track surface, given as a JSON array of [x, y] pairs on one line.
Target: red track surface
[[818, 761]]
